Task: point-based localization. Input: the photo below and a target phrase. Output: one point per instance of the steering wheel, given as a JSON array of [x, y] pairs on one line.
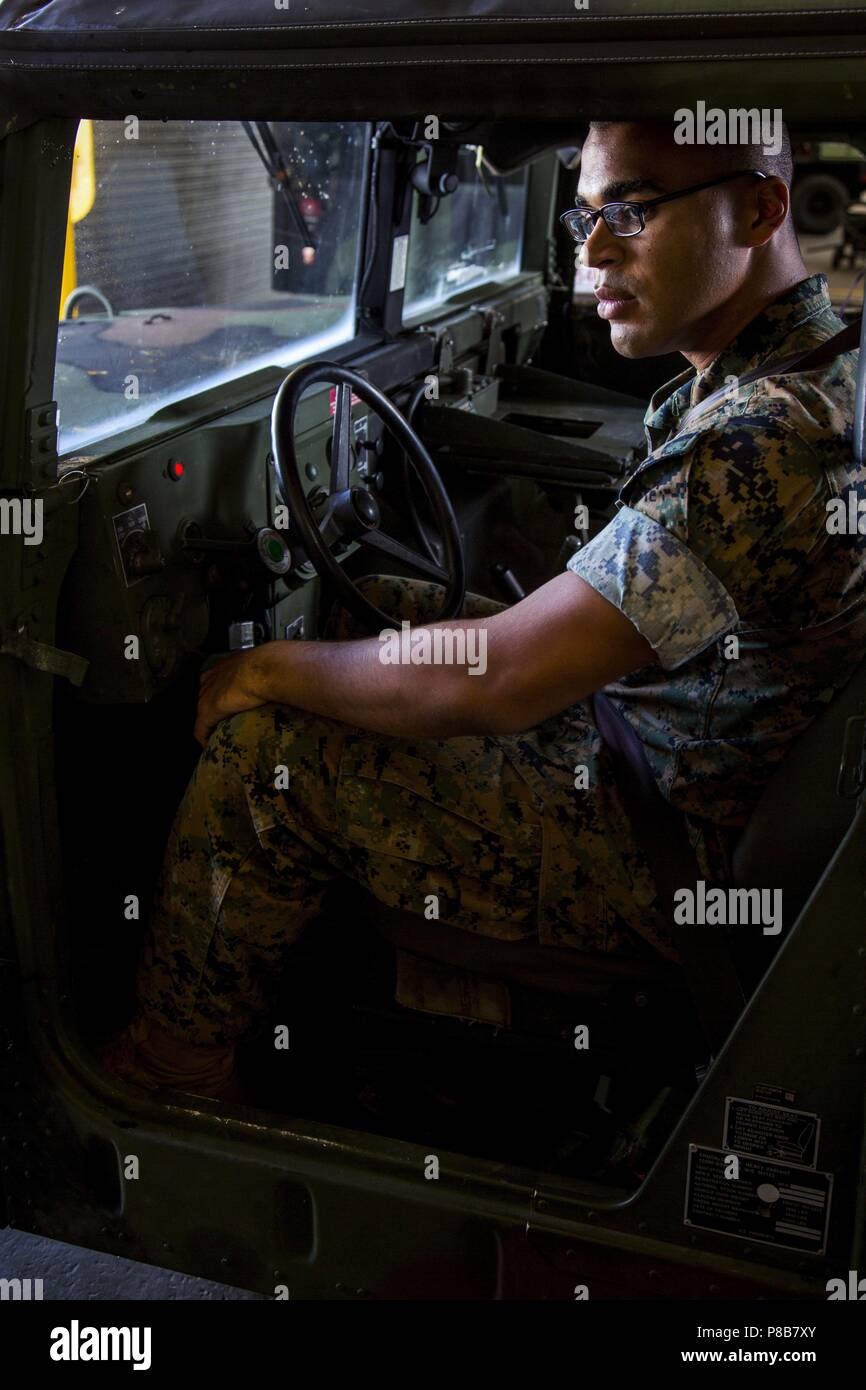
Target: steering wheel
[[352, 513]]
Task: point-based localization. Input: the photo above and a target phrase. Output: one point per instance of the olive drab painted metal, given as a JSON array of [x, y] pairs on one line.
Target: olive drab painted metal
[[453, 57]]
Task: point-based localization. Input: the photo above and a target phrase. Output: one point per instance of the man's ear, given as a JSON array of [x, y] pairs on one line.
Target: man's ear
[[772, 199]]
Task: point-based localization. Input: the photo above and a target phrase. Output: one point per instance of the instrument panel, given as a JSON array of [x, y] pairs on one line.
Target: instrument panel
[[186, 548]]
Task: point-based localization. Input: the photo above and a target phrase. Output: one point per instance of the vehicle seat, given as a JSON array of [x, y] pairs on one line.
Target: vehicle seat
[[788, 842], [800, 819], [554, 969]]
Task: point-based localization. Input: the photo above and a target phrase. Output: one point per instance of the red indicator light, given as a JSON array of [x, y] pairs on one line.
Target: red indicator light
[[175, 469]]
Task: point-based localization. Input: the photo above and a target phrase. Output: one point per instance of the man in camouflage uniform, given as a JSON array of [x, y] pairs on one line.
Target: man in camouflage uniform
[[496, 792]]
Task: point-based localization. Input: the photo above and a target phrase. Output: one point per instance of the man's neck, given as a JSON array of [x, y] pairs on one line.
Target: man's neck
[[717, 332]]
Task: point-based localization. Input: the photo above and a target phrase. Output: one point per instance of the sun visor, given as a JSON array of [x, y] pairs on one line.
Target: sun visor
[[77, 25], [458, 59]]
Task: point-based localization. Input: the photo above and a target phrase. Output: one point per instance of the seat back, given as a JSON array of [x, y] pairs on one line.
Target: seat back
[[800, 819]]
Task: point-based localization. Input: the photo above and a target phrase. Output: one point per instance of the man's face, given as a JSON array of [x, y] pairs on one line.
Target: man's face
[[660, 290]]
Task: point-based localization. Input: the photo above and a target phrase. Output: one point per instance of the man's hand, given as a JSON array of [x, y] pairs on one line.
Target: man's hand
[[225, 689]]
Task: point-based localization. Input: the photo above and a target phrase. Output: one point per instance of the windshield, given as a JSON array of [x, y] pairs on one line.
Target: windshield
[[189, 263], [475, 235]]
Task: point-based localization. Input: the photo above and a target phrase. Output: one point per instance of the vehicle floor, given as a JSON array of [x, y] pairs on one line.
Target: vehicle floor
[[524, 1097]]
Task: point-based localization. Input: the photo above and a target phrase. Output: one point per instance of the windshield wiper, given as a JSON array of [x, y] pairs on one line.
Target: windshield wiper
[[269, 153]]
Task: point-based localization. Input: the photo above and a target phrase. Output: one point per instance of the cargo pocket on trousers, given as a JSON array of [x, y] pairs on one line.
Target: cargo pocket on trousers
[[456, 823]]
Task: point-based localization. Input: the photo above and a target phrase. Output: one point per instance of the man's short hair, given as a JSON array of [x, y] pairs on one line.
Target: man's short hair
[[730, 156], [753, 157]]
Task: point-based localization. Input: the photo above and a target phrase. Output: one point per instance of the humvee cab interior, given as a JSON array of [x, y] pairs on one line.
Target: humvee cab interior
[[273, 328]]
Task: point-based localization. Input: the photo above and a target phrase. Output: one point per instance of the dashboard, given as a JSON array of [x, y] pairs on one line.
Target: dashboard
[[186, 548], [184, 543]]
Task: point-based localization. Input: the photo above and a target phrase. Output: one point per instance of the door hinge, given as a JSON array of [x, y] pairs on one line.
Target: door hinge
[[40, 657], [40, 424]]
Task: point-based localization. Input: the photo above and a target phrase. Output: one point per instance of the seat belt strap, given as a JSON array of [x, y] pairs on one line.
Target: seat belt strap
[[844, 341], [705, 951]]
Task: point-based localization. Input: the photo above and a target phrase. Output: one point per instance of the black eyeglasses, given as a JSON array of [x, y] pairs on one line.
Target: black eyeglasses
[[627, 219]]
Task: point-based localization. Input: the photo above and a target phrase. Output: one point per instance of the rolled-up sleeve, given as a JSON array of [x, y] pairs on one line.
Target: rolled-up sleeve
[[666, 591]]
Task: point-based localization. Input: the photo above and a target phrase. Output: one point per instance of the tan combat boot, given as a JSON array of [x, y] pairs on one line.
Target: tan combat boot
[[146, 1055]]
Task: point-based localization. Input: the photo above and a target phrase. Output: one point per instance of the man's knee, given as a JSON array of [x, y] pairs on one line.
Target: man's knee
[[400, 598], [243, 739], [420, 600], [237, 740], [273, 746], [413, 599]]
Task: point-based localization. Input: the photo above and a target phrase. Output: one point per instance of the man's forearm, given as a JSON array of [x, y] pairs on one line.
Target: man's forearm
[[349, 681], [493, 675]]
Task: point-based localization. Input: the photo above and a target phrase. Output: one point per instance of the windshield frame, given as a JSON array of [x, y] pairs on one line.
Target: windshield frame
[[37, 162], [214, 399], [430, 309], [537, 231]]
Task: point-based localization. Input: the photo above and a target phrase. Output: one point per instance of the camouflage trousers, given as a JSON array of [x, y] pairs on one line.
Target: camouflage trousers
[[513, 841]]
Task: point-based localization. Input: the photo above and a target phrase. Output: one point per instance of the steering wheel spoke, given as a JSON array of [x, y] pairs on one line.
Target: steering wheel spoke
[[341, 456], [351, 512], [327, 525], [378, 540]]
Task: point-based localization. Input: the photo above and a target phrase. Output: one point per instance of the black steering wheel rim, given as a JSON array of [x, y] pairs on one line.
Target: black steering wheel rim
[[287, 469]]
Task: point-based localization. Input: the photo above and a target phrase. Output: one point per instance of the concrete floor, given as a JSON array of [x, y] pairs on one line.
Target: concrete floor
[[67, 1272], [818, 254]]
